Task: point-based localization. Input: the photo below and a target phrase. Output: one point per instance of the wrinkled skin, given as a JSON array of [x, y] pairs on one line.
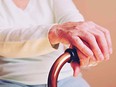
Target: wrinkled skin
[[93, 42]]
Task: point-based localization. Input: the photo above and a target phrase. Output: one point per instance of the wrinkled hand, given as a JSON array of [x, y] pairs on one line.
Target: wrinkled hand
[[92, 41]]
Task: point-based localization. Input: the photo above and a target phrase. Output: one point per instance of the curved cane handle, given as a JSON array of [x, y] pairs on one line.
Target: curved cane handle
[[70, 55]]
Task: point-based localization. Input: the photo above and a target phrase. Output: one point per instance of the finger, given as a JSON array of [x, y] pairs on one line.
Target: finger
[[88, 37], [89, 47], [84, 60], [77, 42], [101, 40], [107, 35], [92, 62], [76, 68]]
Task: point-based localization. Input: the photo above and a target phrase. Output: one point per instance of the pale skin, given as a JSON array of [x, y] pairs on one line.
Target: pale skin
[[93, 42]]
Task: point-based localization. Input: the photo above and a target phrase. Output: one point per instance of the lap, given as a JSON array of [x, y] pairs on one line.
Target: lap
[[67, 82], [4, 83], [73, 82]]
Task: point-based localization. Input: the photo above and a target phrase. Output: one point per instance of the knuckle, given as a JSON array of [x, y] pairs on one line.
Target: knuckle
[[107, 32], [100, 35], [90, 37], [75, 40], [69, 33]]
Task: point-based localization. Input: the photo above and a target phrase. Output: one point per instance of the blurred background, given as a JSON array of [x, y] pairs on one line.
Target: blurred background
[[102, 12]]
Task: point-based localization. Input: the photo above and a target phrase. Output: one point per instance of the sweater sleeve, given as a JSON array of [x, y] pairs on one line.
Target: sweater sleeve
[[29, 41], [66, 11]]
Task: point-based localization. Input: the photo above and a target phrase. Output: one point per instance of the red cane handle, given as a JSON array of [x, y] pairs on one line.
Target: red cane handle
[[70, 55]]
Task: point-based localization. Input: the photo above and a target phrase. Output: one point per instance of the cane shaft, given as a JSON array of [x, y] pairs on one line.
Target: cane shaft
[[53, 75], [70, 55]]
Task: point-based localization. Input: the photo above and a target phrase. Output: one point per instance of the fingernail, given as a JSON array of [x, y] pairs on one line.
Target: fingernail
[[101, 57], [107, 56], [110, 50]]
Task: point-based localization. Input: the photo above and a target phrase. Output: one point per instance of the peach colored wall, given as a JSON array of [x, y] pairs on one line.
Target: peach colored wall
[[102, 12]]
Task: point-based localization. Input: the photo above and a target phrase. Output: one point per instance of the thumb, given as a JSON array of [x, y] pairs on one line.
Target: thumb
[[76, 68]]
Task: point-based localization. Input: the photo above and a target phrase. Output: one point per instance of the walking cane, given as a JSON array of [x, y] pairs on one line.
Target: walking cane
[[70, 55]]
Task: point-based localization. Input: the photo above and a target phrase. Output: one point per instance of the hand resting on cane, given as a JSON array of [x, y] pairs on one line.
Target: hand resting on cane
[[92, 41]]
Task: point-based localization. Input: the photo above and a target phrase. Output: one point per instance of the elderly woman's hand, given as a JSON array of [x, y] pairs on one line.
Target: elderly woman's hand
[[91, 40]]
